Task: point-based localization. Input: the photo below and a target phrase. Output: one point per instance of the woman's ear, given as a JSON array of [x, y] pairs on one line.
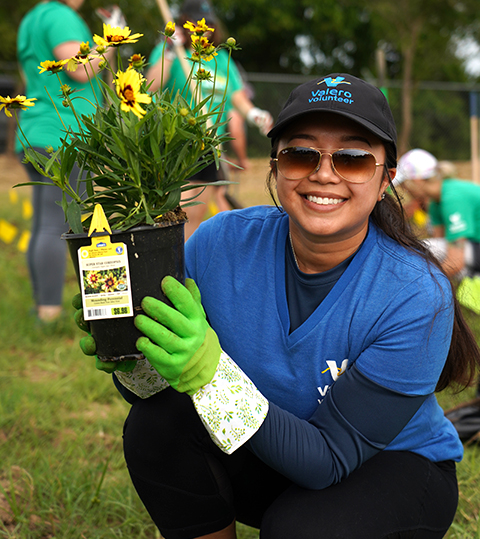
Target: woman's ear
[[273, 167]]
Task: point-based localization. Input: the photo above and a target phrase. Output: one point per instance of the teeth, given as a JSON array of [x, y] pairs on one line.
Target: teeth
[[325, 201]]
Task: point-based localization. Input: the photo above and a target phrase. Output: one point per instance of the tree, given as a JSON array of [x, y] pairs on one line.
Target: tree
[[421, 33]]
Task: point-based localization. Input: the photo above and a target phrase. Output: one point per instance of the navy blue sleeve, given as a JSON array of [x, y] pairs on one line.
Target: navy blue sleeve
[[357, 419]]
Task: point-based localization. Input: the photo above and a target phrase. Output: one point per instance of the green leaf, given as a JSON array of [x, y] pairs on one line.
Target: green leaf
[[74, 217]]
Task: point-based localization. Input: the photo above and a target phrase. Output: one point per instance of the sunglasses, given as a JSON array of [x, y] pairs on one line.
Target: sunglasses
[[352, 165]]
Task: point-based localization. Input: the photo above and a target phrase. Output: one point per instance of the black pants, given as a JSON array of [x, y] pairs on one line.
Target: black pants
[[190, 488]]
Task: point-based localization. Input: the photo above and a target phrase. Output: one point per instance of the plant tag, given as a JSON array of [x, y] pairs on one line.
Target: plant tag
[[105, 279], [104, 273]]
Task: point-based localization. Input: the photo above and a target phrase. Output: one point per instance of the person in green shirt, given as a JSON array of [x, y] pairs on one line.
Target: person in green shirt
[[453, 208], [52, 30], [169, 73]]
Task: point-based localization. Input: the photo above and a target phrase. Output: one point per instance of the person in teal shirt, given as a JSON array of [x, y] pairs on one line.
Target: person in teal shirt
[[52, 30], [169, 74], [453, 208]]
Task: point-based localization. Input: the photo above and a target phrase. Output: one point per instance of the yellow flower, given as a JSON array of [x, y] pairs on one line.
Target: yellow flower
[[137, 61], [19, 102], [66, 89], [113, 36], [202, 49], [200, 29], [203, 74], [128, 90], [84, 49], [52, 66], [75, 61], [169, 29]]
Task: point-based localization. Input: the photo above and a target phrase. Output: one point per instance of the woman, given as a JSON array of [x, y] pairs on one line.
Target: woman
[[50, 31], [329, 329]]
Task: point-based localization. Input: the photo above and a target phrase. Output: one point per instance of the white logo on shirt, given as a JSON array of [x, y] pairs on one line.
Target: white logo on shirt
[[457, 224], [335, 371]]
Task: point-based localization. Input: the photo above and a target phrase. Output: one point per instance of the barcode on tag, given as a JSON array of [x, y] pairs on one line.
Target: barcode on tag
[[97, 313]]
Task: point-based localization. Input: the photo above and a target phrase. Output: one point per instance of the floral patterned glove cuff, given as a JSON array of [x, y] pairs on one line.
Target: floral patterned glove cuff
[[144, 380], [230, 406]]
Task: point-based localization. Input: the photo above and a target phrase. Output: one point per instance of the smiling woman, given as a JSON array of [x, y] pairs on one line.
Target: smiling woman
[[302, 381]]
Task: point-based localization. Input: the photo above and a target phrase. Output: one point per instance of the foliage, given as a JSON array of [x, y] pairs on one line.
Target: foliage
[[137, 150]]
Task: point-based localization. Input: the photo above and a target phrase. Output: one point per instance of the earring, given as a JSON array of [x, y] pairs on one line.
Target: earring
[[383, 196]]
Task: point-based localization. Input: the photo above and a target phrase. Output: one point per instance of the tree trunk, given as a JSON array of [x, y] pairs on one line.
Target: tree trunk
[[407, 86]]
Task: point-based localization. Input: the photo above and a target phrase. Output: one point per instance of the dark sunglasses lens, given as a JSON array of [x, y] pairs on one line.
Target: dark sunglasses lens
[[357, 166], [296, 163]]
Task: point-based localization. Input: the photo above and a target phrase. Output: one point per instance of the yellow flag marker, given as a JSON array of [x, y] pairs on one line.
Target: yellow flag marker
[[7, 231], [27, 209], [24, 241], [13, 195]]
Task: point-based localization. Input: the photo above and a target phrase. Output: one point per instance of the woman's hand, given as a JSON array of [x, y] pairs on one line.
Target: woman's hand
[[179, 342], [89, 346]]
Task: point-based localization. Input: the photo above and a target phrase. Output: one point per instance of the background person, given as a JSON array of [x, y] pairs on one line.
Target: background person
[[453, 208], [301, 396], [52, 30], [173, 77]]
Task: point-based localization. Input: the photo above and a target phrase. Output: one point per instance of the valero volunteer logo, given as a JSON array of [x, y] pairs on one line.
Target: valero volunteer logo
[[332, 92]]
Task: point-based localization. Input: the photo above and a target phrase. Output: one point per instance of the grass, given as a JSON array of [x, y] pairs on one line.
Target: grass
[[62, 472]]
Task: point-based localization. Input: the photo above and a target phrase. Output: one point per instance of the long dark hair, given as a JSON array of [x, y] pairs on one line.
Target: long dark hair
[[463, 357]]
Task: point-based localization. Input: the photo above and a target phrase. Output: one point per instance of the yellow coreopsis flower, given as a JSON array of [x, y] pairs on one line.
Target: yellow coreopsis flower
[[137, 61], [199, 29], [52, 66], [84, 49], [203, 74], [75, 61], [19, 102], [169, 29], [202, 49], [128, 90], [113, 36]]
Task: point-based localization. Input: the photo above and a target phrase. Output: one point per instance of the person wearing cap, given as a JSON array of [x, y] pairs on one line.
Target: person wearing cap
[[296, 369], [453, 208], [166, 72]]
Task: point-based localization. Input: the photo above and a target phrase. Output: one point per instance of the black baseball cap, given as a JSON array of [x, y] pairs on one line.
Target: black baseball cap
[[342, 94]]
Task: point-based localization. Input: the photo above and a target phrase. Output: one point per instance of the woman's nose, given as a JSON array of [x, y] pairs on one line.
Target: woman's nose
[[325, 172]]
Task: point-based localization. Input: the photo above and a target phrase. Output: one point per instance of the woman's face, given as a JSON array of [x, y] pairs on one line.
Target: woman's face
[[324, 206]]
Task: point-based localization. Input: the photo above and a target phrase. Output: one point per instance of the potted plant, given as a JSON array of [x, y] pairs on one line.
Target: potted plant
[[136, 153]]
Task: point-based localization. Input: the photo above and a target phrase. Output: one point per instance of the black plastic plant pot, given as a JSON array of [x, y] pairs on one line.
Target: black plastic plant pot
[[153, 253]]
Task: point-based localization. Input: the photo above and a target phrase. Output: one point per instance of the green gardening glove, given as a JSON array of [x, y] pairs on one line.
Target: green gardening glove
[[179, 342], [89, 346]]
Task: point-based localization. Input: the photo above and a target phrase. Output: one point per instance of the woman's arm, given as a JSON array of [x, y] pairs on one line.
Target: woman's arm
[[357, 419]]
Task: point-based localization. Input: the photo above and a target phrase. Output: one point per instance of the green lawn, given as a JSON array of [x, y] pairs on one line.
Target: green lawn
[[62, 473]]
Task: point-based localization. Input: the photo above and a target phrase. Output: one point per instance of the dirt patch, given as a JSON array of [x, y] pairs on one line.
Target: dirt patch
[[11, 172]]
